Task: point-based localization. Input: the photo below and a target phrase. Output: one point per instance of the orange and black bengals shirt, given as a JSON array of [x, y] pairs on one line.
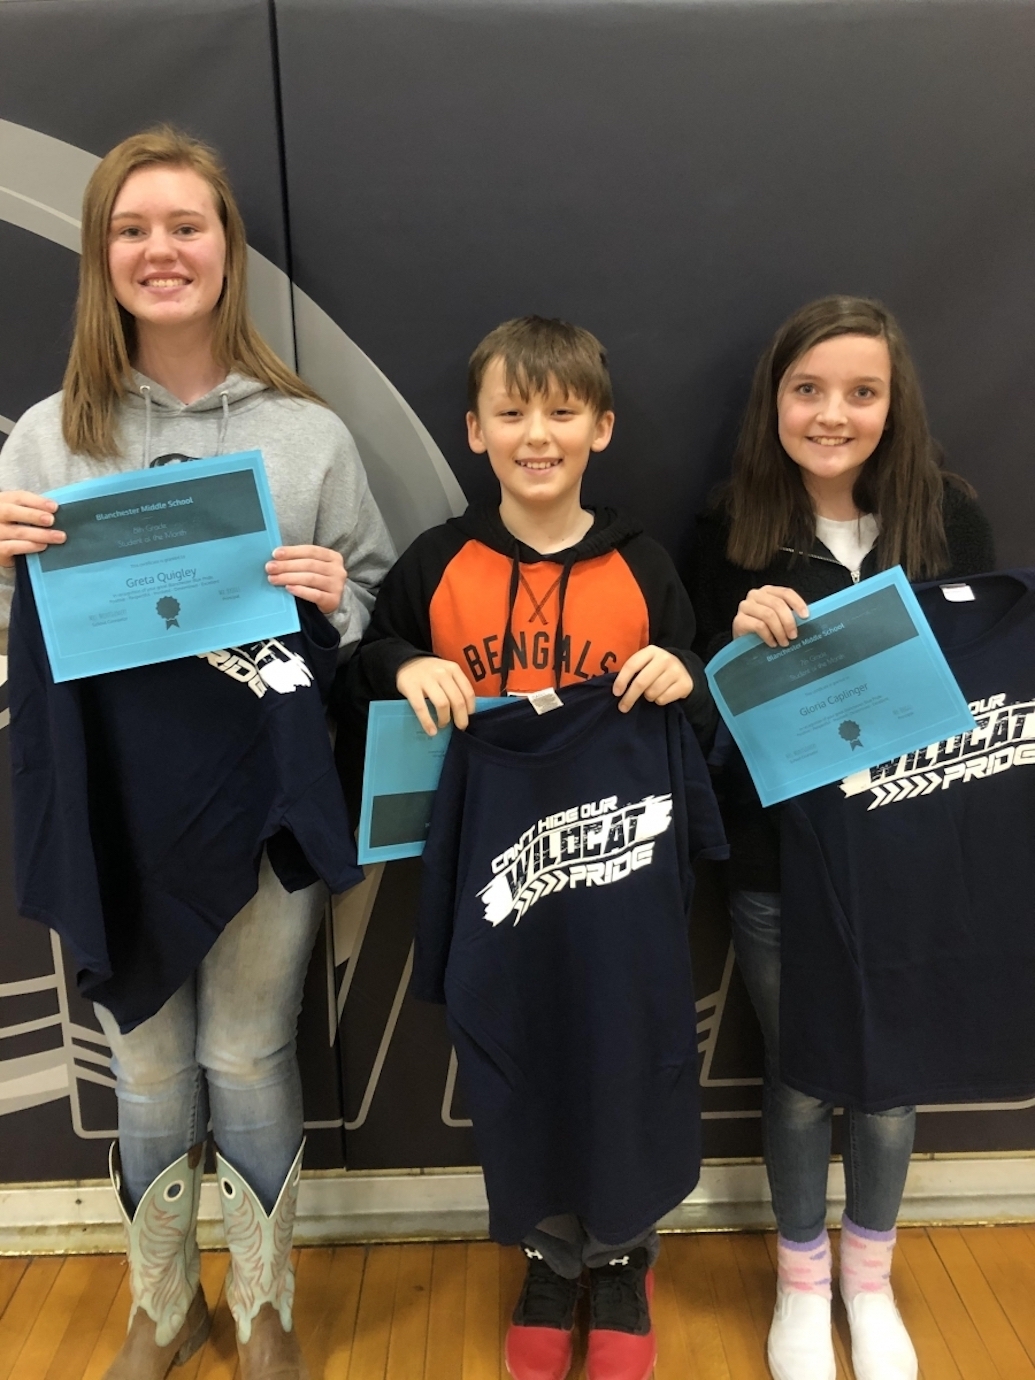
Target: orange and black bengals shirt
[[515, 620]]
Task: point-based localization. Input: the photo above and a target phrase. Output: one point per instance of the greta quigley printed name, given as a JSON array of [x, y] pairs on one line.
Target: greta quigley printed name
[[595, 844]]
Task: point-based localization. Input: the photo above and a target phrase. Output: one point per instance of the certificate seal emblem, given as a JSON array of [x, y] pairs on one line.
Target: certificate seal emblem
[[850, 732], [169, 609]]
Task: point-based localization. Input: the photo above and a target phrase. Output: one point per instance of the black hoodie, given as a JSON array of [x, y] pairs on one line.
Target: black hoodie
[[516, 620]]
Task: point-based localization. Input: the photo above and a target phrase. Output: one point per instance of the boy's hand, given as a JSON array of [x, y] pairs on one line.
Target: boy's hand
[[26, 525], [769, 612], [444, 684], [310, 572], [654, 673]]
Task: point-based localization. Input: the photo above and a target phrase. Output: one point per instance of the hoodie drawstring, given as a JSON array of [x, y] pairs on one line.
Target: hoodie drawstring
[[508, 632], [150, 414], [558, 646], [146, 391], [509, 640], [224, 422]]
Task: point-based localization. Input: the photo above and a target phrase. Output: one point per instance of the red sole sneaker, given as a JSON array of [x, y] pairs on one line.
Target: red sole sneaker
[[538, 1353], [622, 1355]]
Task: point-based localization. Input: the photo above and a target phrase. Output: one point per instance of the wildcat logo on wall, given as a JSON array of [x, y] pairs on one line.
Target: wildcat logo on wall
[[372, 172], [360, 975]]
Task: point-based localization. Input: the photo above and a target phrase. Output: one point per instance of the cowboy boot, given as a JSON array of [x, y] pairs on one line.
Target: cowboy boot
[[169, 1319], [261, 1282]]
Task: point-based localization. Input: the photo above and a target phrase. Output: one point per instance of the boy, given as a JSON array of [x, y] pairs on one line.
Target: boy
[[535, 593]]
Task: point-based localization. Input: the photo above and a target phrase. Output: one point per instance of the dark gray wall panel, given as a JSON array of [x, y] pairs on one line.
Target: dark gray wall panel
[[678, 177], [39, 282], [91, 72]]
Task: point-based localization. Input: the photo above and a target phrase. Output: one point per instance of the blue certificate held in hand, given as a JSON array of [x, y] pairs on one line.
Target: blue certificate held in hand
[[864, 681], [400, 776], [160, 564]]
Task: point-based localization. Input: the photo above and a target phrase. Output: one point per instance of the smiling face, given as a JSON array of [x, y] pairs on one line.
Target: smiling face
[[539, 448], [166, 248], [832, 408]]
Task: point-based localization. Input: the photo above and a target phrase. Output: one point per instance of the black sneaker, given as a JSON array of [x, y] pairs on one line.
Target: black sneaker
[[547, 1298], [619, 1294], [539, 1343]]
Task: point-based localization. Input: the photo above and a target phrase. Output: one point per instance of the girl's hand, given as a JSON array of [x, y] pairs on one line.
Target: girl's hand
[[309, 572], [444, 684], [26, 525], [769, 612], [657, 675]]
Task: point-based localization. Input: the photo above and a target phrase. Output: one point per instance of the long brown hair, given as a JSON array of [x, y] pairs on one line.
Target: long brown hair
[[901, 482], [100, 360]]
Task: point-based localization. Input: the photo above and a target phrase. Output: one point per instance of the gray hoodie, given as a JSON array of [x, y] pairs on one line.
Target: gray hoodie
[[319, 488]]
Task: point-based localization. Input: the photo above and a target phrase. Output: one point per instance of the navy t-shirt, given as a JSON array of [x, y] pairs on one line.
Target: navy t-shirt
[[143, 800], [908, 931], [553, 923]]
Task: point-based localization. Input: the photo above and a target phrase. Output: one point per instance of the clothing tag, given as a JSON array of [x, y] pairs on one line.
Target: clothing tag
[[958, 594], [542, 701]]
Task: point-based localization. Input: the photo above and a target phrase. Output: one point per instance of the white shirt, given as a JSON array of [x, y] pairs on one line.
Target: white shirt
[[849, 541]]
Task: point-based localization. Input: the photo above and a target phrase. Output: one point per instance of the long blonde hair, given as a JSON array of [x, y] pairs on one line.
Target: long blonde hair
[[100, 360]]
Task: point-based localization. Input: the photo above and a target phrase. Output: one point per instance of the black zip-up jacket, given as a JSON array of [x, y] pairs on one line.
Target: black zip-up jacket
[[717, 587]]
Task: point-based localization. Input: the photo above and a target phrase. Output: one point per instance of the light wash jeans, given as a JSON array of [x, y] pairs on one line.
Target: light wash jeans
[[796, 1127], [224, 1044]]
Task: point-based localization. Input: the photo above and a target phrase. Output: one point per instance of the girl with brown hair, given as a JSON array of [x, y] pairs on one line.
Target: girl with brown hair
[[835, 477], [166, 365]]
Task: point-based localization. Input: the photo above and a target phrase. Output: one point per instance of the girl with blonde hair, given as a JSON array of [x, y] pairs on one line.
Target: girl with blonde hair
[[166, 366]]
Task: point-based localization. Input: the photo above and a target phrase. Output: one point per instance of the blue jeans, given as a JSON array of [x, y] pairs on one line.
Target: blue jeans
[[796, 1127], [224, 1045]]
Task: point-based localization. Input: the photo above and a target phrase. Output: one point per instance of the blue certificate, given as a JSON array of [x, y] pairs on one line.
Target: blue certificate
[[400, 775], [160, 564], [863, 682]]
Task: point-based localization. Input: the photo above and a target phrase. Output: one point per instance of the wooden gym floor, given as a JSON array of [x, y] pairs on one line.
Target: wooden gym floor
[[439, 1312]]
